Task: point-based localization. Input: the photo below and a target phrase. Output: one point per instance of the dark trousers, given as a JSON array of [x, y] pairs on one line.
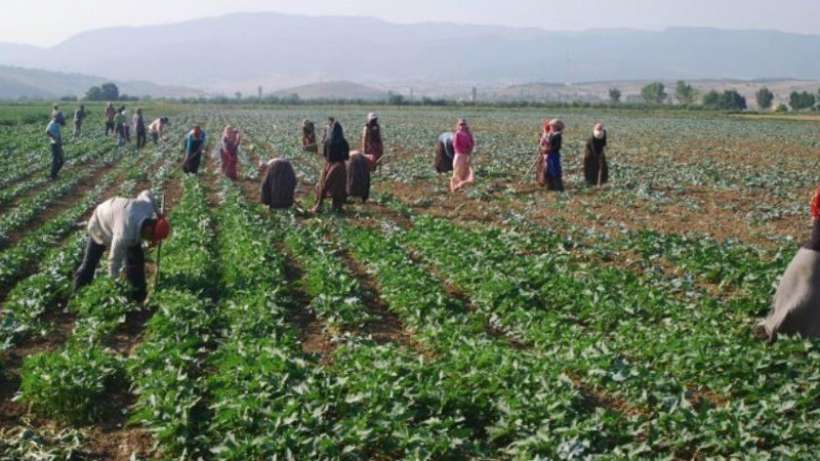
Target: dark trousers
[[56, 160], [191, 165], [109, 128], [134, 268], [78, 129], [155, 137], [141, 139]]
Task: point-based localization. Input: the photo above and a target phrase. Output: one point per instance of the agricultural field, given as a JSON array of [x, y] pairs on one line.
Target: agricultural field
[[503, 322]]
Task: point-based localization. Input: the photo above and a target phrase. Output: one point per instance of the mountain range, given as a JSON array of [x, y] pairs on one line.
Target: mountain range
[[239, 52]]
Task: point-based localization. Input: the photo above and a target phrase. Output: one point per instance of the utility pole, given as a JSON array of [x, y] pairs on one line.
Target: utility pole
[[475, 95]]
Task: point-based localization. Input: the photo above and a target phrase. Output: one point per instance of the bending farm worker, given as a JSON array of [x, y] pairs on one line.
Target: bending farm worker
[[121, 225], [56, 138], [797, 300], [463, 145], [358, 176], [372, 144], [333, 182], [157, 129], [194, 146], [231, 138], [278, 183], [309, 137], [444, 153], [596, 170]]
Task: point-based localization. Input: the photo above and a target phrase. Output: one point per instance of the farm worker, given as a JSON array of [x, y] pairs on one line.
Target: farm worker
[[110, 113], [372, 145], [157, 129], [121, 224], [797, 300], [309, 137], [119, 126], [231, 138], [79, 116], [139, 129], [444, 153], [126, 127], [463, 145], [358, 176], [278, 183], [54, 135], [194, 145], [333, 182], [551, 154], [596, 170]]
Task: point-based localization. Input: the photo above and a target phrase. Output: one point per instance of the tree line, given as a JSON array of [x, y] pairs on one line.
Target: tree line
[[655, 94]]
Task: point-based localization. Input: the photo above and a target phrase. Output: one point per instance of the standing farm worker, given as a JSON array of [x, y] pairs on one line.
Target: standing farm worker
[[126, 127], [121, 224], [358, 176], [463, 145], [157, 129], [596, 170], [194, 146], [79, 116], [231, 138], [56, 138], [278, 183], [120, 126], [110, 114], [444, 153], [139, 129], [550, 148], [333, 182], [797, 300], [309, 137], [372, 144]]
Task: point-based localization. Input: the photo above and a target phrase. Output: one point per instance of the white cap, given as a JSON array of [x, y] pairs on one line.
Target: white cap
[[372, 116]]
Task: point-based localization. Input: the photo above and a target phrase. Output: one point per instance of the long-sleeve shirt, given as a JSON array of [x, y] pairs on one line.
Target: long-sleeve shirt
[[139, 123], [463, 142], [53, 132], [110, 113], [117, 223], [194, 144]]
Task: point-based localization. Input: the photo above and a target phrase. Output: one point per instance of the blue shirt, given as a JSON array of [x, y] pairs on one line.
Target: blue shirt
[[54, 129]]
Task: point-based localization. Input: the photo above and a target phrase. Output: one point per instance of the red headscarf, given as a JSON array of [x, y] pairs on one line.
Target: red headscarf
[[815, 204]]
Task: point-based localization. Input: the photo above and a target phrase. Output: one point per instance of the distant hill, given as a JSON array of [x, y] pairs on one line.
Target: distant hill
[[239, 51], [17, 82], [333, 90]]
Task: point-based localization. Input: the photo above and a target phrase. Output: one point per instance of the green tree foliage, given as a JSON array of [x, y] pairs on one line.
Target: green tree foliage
[[764, 98], [728, 100], [801, 101], [685, 93], [654, 93], [110, 92], [614, 95], [94, 94]]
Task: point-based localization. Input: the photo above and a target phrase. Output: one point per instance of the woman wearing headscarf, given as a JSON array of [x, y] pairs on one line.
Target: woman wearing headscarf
[[231, 138], [278, 183], [463, 145], [551, 146], [333, 182], [797, 300], [358, 176], [194, 146], [372, 145], [309, 136], [596, 170]]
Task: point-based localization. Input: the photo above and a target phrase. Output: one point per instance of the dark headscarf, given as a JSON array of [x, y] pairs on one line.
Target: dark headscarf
[[336, 148]]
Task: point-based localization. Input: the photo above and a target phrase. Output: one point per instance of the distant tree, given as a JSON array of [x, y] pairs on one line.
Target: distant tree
[[94, 94], [654, 93], [764, 98], [728, 100], [110, 92], [68, 98], [685, 93], [782, 108], [800, 101], [395, 99], [614, 95]]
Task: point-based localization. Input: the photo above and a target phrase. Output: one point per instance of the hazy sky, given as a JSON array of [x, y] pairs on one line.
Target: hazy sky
[[47, 22]]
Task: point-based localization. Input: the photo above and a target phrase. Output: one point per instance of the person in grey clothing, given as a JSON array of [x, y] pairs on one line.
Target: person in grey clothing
[[56, 138]]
